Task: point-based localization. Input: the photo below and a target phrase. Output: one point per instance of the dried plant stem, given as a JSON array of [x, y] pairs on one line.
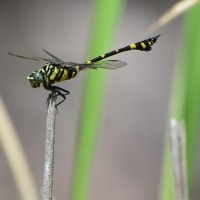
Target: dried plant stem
[[47, 189], [178, 155], [15, 156], [177, 9]]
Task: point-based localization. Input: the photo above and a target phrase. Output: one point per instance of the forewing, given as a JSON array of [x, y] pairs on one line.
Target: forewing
[[32, 58], [53, 60], [58, 60]]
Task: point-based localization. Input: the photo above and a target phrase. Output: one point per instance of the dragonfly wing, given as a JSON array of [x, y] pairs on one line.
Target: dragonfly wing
[[58, 60], [53, 60], [30, 58], [108, 64]]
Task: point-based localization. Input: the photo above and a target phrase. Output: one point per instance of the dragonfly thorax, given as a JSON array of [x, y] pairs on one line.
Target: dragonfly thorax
[[35, 79]]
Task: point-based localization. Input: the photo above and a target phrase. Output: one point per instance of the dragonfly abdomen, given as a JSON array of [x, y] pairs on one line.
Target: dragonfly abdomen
[[144, 45]]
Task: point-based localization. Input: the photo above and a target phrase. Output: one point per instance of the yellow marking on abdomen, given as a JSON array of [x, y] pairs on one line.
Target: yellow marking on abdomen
[[73, 74], [143, 45], [133, 46], [103, 55], [116, 50], [78, 68], [89, 62]]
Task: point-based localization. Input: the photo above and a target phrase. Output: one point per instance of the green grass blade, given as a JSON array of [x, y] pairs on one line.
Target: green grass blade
[[166, 189], [185, 104], [104, 25], [192, 57]]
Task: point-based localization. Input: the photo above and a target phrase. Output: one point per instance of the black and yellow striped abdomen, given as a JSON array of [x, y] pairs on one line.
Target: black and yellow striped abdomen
[[144, 45], [56, 73]]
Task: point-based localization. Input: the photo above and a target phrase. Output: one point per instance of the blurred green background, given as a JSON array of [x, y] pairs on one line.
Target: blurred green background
[[128, 157]]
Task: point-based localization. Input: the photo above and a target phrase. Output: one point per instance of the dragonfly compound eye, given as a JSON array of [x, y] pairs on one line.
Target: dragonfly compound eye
[[35, 79]]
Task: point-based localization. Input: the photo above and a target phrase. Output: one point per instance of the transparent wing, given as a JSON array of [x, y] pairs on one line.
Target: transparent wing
[[107, 64], [58, 60], [110, 64], [30, 58], [53, 60]]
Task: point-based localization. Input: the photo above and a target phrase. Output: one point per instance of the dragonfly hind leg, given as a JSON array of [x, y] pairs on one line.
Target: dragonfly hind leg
[[57, 91]]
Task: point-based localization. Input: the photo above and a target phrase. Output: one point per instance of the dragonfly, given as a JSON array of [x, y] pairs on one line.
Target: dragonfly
[[56, 70]]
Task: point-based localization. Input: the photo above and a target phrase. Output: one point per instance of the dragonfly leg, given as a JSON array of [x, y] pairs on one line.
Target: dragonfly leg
[[57, 91]]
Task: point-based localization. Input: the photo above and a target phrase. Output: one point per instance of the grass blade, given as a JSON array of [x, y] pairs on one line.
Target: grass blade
[[186, 95], [104, 25]]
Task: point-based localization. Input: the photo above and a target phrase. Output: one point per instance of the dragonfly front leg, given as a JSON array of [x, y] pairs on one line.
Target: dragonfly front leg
[[57, 91]]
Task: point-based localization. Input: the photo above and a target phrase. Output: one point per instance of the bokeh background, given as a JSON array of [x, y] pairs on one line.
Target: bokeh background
[[128, 158]]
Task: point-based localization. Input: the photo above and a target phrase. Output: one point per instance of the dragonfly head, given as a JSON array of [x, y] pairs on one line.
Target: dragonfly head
[[35, 79]]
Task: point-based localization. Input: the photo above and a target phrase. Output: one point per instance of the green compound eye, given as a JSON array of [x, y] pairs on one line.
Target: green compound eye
[[35, 78]]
